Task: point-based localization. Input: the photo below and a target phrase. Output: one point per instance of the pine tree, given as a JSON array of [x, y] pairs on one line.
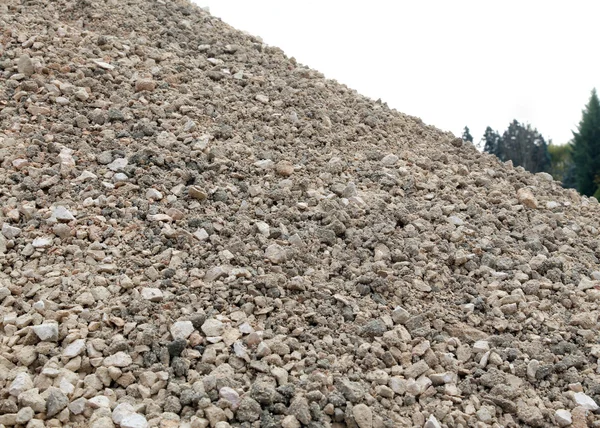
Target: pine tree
[[491, 142], [522, 144], [585, 149], [562, 167], [525, 146], [466, 136]]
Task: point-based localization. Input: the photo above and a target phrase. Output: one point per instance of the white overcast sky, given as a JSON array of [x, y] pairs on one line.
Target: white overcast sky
[[452, 63]]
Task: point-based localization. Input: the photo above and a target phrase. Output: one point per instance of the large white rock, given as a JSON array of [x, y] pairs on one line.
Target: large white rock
[[61, 213], [563, 417], [152, 294], [134, 420], [585, 401], [22, 382], [74, 348], [122, 410], [10, 232], [41, 242], [99, 401], [182, 329], [212, 327], [432, 422], [47, 332], [119, 359]]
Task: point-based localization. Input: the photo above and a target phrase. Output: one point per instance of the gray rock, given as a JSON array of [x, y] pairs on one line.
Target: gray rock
[[24, 415], [22, 382], [117, 165], [213, 327], [31, 398], [363, 416], [249, 410], [104, 158], [55, 402], [400, 315], [299, 408], [264, 394], [25, 65], [415, 370], [352, 391], [373, 328], [275, 254], [10, 232]]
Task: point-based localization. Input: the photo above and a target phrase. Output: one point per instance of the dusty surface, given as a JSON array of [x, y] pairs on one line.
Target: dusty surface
[[198, 231]]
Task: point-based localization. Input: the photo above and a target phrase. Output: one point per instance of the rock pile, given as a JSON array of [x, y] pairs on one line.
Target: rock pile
[[197, 231]]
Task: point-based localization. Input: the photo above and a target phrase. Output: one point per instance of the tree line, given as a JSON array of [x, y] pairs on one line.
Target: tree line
[[576, 164]]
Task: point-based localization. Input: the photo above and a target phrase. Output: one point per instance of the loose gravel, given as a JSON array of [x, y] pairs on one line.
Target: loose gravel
[[198, 231]]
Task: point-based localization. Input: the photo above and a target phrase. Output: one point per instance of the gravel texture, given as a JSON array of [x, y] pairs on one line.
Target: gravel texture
[[198, 231]]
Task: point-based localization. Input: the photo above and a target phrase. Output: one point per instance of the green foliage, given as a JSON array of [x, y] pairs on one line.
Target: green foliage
[[491, 141], [562, 167], [520, 143], [466, 136], [585, 150]]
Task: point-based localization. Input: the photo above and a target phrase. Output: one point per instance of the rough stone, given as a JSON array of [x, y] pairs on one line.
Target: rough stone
[[182, 329]]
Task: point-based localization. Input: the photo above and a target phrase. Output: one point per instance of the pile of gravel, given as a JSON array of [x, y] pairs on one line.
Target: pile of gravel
[[199, 231]]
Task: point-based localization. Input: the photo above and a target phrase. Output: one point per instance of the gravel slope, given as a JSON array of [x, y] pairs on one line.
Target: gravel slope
[[198, 231]]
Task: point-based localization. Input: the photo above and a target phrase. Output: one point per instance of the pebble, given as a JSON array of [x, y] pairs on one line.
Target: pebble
[[432, 422], [134, 420], [24, 415], [62, 214], [25, 65], [99, 401], [525, 196], [198, 193], [290, 421], [74, 348], [213, 327], [118, 164], [21, 383], [284, 168], [389, 160], [154, 194], [152, 294], [145, 85], [363, 416], [231, 396], [41, 242], [10, 232], [119, 359], [275, 254]]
